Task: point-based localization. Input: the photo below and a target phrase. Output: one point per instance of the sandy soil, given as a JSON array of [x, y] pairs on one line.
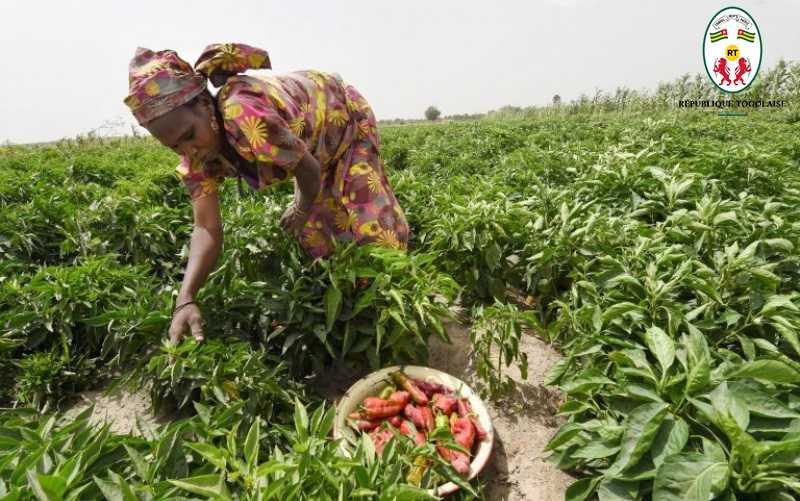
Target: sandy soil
[[517, 470], [119, 408]]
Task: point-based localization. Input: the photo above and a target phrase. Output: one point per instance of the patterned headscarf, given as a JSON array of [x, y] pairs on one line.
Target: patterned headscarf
[[161, 81]]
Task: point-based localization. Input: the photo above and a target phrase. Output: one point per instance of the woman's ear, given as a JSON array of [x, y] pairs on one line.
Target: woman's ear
[[206, 102]]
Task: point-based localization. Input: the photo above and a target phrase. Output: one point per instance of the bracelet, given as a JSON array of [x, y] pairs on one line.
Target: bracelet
[[187, 303], [300, 212]]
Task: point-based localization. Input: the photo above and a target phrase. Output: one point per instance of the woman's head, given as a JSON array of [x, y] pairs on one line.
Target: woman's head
[[191, 130], [171, 99]]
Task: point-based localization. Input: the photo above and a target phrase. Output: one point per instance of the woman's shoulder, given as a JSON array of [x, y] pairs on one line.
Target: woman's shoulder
[[270, 84], [240, 85]]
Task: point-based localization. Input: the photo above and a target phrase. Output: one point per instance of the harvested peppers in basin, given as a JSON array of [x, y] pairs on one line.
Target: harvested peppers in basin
[[428, 407]]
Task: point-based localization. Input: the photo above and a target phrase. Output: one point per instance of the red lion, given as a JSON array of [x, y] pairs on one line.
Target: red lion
[[741, 70], [722, 67]]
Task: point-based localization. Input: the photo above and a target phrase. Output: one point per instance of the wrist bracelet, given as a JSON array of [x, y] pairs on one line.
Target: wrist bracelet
[[187, 303]]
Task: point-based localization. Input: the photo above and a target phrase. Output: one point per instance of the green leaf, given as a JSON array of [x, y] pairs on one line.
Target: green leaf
[[699, 377], [641, 427], [728, 404], [662, 347], [690, 477], [582, 489], [558, 370], [777, 303], [768, 370], [563, 435], [203, 411], [672, 436], [405, 492], [333, 303], [761, 403], [300, 419], [642, 392], [780, 244], [211, 453], [725, 217], [118, 490], [787, 330], [616, 490], [743, 444], [497, 288], [47, 487], [597, 449], [139, 463], [618, 309], [251, 444], [205, 485], [585, 382]]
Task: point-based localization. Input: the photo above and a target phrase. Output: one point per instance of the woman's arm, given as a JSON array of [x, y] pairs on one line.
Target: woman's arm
[[205, 248], [308, 174], [309, 180]]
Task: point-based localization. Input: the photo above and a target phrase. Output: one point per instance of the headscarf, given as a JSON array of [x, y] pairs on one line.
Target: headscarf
[[161, 81]]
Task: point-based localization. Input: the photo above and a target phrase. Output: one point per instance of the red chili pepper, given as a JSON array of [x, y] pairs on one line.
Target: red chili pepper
[[404, 428], [445, 404], [428, 421], [381, 439], [415, 415], [465, 437], [377, 407], [418, 436], [463, 407], [431, 388], [445, 453], [460, 462], [362, 423], [401, 396], [480, 432], [466, 410], [404, 382], [464, 432]]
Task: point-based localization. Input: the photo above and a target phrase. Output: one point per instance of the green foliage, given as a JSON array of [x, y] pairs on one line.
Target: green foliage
[[495, 338], [659, 252]]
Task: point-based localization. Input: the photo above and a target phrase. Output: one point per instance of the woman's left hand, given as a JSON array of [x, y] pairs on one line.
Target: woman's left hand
[[293, 221]]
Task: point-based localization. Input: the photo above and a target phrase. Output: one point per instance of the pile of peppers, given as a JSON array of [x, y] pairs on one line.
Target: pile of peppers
[[427, 406]]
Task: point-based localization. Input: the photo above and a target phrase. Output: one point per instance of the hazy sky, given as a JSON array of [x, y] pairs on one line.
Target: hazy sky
[[64, 63]]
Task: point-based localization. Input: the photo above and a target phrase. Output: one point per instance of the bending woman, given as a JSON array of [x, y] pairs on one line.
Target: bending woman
[[308, 125]]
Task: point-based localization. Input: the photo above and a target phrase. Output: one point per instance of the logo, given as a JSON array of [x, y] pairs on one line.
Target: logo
[[732, 49]]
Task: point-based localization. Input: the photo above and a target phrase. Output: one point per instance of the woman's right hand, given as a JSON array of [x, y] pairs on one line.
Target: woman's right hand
[[187, 318]]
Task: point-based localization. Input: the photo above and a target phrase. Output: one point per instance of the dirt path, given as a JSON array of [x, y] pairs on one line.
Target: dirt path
[[120, 409], [516, 471]]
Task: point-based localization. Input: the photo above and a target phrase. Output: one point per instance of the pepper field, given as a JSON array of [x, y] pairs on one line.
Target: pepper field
[[658, 252]]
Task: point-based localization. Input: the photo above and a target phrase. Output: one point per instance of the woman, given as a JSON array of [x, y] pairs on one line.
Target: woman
[[307, 124]]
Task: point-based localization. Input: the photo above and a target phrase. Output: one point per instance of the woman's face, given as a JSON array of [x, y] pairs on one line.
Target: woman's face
[[187, 130]]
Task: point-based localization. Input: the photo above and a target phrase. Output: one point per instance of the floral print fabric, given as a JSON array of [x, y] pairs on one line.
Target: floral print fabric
[[272, 121]]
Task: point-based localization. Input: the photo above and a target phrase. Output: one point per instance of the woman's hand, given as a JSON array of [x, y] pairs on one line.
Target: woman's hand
[[188, 317], [293, 220]]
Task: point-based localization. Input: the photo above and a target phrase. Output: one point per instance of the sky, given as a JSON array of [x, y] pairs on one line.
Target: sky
[[64, 64]]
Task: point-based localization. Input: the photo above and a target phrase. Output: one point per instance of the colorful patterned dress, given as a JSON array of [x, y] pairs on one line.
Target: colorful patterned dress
[[272, 120]]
